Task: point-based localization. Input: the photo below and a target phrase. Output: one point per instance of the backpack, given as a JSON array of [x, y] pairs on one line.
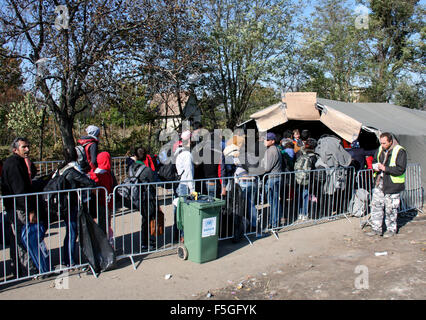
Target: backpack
[[82, 160], [358, 203], [303, 166], [129, 190], [56, 202], [168, 172]]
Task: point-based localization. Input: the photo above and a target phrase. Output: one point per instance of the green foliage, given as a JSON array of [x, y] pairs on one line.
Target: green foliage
[[333, 56], [394, 39], [261, 98], [246, 40], [24, 117], [10, 83], [410, 96]]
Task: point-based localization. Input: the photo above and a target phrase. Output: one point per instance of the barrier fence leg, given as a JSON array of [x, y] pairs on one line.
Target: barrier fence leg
[[346, 216], [93, 271], [133, 262], [245, 235], [275, 233]]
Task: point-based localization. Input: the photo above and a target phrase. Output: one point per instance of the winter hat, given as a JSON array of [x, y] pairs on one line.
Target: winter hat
[[186, 135], [93, 130], [231, 151]]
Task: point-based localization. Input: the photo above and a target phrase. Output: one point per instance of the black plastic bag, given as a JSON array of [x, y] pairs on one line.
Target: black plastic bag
[[234, 214], [94, 242]]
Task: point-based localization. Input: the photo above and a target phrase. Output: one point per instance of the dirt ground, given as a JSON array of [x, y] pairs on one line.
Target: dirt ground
[[327, 261], [354, 266]]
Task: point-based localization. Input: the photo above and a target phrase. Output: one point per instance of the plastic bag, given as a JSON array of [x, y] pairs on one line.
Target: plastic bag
[[33, 235], [94, 242]]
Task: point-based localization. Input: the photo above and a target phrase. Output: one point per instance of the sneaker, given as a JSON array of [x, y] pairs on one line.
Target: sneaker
[[373, 233], [388, 234], [300, 217]]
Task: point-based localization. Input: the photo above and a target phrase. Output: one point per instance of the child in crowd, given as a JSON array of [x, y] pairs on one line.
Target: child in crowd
[[297, 141], [103, 177]]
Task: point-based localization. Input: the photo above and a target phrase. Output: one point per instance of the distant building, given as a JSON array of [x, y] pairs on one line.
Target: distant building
[[356, 95], [168, 109]]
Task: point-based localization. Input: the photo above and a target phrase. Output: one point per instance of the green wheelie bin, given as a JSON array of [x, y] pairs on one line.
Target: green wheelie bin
[[199, 220]]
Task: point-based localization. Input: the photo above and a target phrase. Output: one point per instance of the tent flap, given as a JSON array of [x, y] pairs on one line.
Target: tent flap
[[269, 117], [301, 106], [343, 125]]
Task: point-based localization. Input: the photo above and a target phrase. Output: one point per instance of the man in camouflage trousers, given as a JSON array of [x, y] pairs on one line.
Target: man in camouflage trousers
[[389, 164]]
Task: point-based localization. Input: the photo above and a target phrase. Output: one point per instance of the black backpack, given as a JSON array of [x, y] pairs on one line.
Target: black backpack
[[168, 172], [56, 202], [129, 191]]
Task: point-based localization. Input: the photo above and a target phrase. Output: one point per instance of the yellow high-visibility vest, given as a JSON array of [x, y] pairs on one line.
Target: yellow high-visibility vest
[[392, 163]]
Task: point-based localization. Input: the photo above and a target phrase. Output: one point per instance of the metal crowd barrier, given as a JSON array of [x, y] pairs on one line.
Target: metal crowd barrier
[[325, 196], [46, 167], [21, 258], [306, 197], [412, 198], [118, 167], [133, 239], [275, 202]]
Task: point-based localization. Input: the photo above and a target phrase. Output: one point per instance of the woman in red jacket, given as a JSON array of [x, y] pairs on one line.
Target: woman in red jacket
[[103, 177]]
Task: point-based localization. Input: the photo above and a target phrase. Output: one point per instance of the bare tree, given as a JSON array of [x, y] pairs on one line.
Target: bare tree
[[170, 55], [70, 51]]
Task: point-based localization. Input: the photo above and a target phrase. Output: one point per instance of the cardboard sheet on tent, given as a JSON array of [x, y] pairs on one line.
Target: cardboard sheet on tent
[[269, 117], [346, 127], [301, 106]]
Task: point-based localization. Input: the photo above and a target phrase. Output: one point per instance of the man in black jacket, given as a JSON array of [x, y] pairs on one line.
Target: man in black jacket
[[389, 164], [16, 179]]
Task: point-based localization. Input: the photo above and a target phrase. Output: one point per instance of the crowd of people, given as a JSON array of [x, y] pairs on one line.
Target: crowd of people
[[232, 161]]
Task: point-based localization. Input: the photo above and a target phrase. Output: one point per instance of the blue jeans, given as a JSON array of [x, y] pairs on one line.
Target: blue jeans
[[249, 188], [211, 187], [70, 236], [272, 191], [303, 201]]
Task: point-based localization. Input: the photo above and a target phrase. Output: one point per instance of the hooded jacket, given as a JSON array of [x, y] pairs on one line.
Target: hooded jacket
[[185, 167], [90, 144], [102, 176]]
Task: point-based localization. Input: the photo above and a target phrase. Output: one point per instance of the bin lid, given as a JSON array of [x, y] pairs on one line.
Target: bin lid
[[203, 201]]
